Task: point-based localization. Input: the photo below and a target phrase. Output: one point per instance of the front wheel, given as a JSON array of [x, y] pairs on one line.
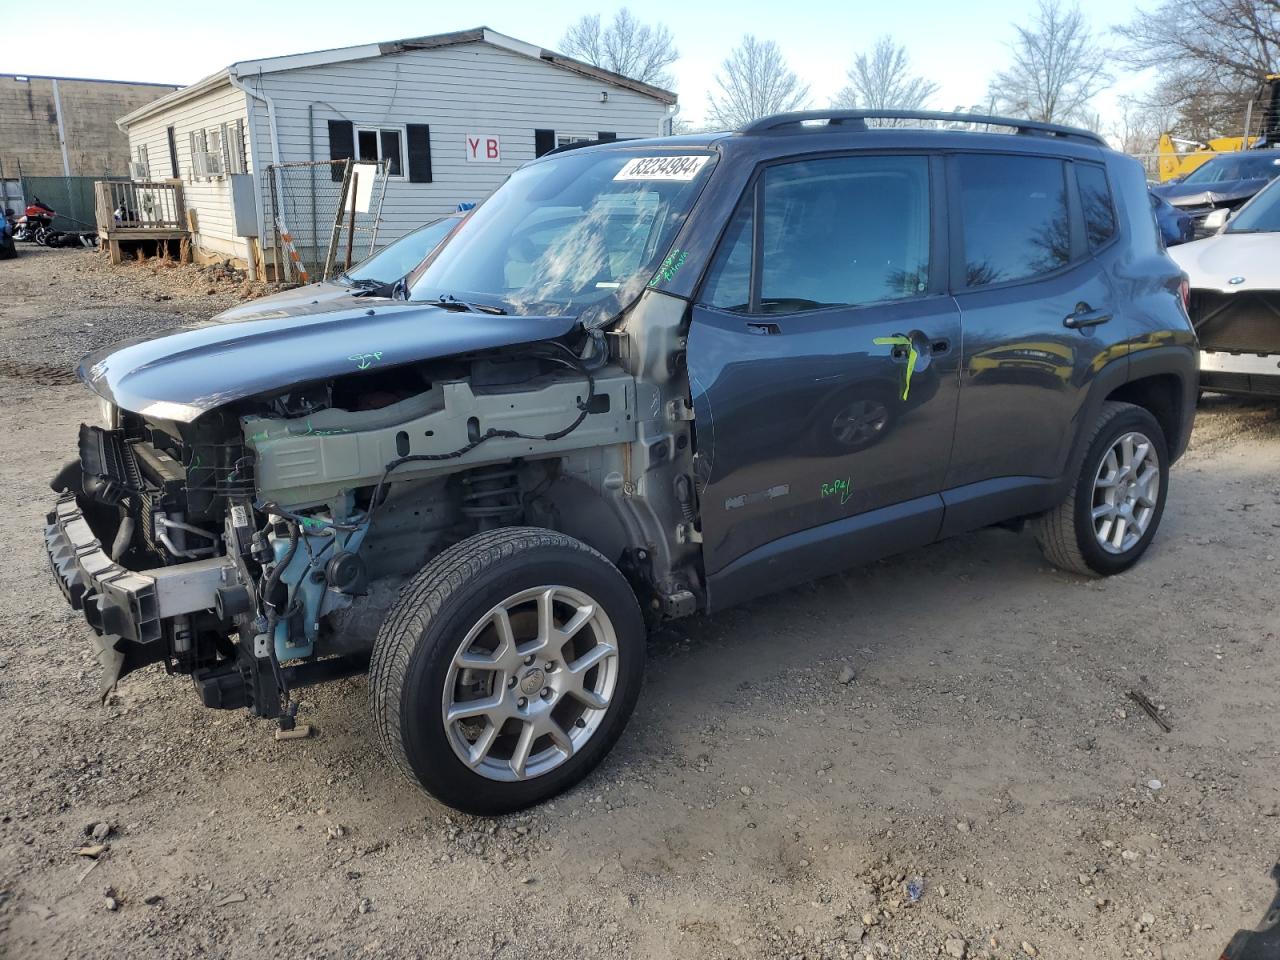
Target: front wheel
[[1111, 515], [507, 669]]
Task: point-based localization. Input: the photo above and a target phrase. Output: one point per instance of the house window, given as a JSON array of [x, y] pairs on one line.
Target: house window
[[233, 160], [381, 143], [141, 168], [206, 154], [564, 139]]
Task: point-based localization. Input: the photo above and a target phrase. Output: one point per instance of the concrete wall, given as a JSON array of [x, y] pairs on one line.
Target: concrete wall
[[95, 146]]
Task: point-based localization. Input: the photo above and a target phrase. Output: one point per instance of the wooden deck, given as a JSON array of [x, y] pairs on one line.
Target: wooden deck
[[141, 212]]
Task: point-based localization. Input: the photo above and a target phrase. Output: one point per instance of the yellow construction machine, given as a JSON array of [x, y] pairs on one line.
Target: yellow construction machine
[[1179, 157]]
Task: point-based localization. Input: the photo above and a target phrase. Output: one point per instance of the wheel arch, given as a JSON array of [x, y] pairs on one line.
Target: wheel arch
[[1161, 395], [1162, 380]]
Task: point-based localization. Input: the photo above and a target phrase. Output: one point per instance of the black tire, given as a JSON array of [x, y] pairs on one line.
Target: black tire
[[414, 652], [1066, 533]]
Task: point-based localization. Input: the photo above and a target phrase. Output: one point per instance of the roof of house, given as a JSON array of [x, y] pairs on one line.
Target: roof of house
[[366, 51], [128, 83]]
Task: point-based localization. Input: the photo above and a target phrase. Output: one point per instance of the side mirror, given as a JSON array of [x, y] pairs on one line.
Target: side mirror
[[400, 291], [1217, 219]]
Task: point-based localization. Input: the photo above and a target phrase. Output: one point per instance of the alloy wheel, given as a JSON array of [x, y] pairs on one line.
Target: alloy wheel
[[531, 683], [1126, 489]]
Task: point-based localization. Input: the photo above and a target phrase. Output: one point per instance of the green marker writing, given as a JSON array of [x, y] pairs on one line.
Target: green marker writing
[[912, 357]]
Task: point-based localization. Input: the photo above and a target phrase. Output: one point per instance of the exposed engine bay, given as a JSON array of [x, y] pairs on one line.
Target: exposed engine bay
[[257, 546]]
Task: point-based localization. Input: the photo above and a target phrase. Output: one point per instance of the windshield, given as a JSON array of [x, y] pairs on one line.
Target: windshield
[[1259, 166], [395, 260], [584, 229], [1259, 215]]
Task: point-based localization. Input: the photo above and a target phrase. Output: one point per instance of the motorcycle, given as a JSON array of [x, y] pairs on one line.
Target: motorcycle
[[36, 224]]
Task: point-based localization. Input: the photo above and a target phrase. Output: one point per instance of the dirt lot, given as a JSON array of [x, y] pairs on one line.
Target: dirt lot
[[756, 807]]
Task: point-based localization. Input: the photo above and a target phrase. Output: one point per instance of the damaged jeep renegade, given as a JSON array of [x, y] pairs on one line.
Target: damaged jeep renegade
[[643, 380]]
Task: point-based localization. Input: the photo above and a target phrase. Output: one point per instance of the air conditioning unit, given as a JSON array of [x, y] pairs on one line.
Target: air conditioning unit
[[207, 164], [138, 170]]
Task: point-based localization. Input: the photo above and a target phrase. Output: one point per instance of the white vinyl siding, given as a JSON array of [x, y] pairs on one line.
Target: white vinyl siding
[[469, 88], [472, 88], [200, 120]]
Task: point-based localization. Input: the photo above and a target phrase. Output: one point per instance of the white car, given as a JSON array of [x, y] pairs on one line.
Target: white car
[[1235, 297]]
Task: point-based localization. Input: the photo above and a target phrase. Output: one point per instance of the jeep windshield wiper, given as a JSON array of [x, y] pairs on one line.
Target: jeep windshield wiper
[[448, 302]]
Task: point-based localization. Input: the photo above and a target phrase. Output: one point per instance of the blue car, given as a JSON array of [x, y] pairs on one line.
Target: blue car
[[1228, 180], [7, 247], [1176, 226]]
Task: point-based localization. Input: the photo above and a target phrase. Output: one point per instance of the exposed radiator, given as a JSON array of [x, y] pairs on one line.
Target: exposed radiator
[[1245, 322]]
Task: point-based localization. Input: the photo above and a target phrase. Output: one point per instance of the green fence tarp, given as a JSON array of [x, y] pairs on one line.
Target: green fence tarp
[[70, 197]]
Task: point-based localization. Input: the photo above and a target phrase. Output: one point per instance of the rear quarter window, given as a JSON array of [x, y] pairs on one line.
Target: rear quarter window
[[1095, 202]]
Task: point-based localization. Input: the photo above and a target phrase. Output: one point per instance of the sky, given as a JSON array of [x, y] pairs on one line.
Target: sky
[[957, 43]]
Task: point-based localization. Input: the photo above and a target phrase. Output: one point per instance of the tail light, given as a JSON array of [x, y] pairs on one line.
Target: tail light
[[1184, 288]]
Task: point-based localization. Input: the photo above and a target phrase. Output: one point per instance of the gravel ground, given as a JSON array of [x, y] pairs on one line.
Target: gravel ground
[[957, 715]]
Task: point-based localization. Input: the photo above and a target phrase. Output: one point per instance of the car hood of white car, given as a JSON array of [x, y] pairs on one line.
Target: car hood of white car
[[1231, 262]]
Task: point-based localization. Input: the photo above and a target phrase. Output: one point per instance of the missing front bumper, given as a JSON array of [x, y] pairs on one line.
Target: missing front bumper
[[125, 609]]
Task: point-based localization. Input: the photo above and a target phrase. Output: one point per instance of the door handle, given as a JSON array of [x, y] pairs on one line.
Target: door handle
[[915, 349], [763, 329], [1085, 316]]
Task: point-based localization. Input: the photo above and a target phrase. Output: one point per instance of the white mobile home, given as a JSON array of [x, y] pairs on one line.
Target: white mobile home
[[451, 115]]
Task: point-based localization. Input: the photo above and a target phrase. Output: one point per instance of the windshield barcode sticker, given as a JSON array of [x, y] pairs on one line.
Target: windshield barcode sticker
[[661, 168]]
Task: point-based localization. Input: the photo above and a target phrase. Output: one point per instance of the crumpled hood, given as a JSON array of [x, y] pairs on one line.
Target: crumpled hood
[[1252, 259], [1209, 195], [326, 292], [183, 374]]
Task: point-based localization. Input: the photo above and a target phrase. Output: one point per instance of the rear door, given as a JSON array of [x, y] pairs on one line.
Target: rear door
[[823, 359], [1040, 315]]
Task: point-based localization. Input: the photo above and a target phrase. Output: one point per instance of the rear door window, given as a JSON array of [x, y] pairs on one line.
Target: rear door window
[[1013, 213]]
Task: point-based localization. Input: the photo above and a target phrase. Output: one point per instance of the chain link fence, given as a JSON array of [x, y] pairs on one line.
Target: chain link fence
[[310, 208]]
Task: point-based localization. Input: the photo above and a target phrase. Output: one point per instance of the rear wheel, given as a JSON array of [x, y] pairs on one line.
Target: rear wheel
[[507, 669], [1109, 519]]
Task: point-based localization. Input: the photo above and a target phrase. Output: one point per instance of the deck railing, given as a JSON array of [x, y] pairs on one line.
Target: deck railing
[[142, 206]]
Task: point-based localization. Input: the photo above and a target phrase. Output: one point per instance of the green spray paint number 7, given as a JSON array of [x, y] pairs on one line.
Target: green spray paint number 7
[[901, 341]]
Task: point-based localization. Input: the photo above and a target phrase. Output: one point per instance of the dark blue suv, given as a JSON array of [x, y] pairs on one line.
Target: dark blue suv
[[643, 380]]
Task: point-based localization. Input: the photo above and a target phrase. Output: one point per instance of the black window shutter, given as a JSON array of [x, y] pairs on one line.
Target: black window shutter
[[419, 144], [342, 144], [173, 152], [606, 135], [544, 141]]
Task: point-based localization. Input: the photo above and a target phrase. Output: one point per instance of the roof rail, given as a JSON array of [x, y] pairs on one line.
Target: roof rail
[[857, 120]]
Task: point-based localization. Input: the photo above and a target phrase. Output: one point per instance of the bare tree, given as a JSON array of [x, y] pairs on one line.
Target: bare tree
[[882, 80], [754, 82], [626, 46], [1058, 67], [1137, 127], [1211, 57]]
